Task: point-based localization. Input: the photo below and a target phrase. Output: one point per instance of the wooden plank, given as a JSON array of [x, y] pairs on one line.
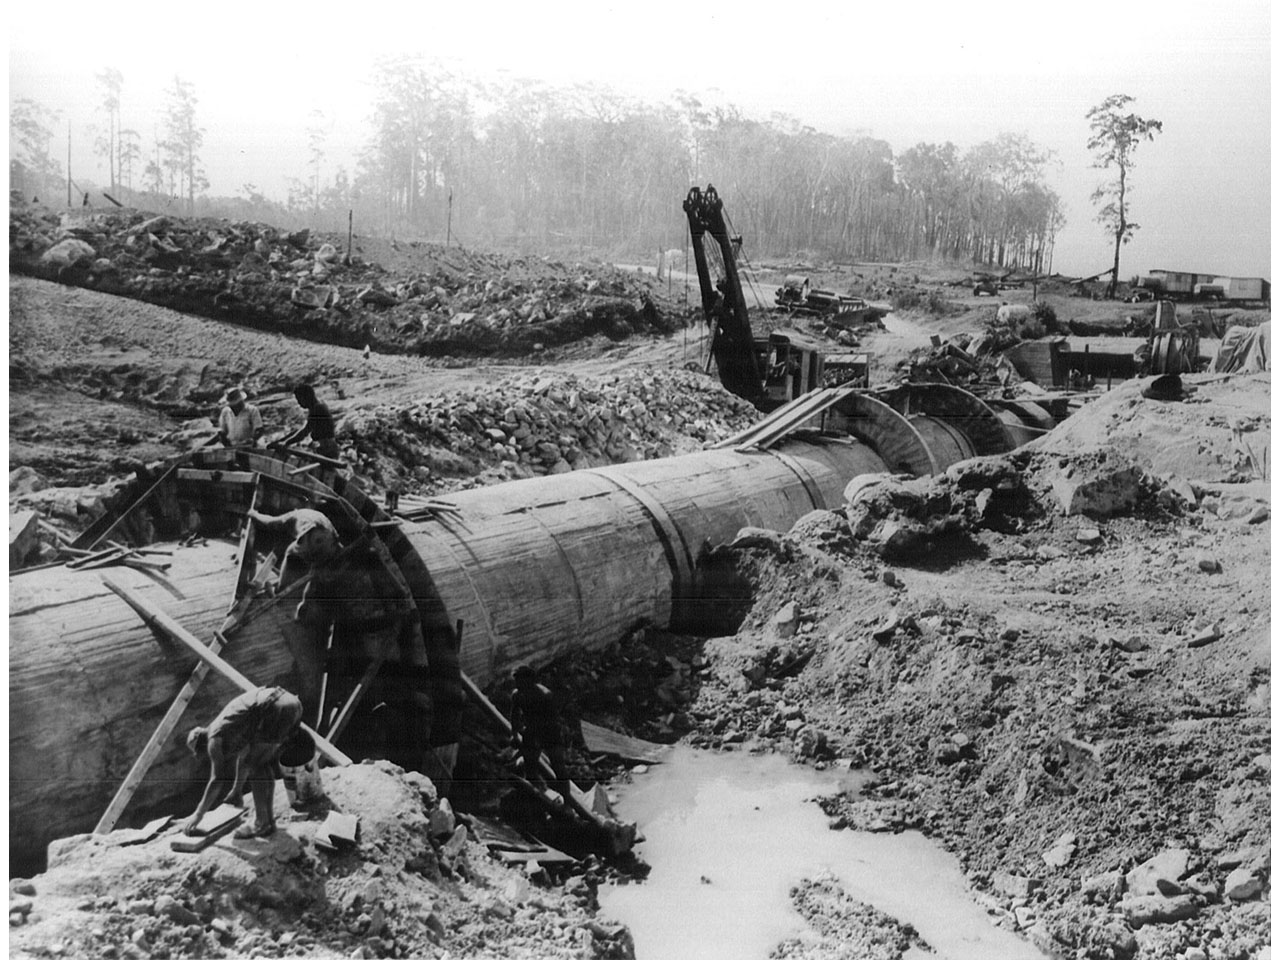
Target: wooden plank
[[306, 454], [340, 827], [217, 476], [307, 469], [158, 619], [214, 825], [98, 558], [142, 563], [151, 752], [548, 855], [601, 740], [245, 551], [126, 838]]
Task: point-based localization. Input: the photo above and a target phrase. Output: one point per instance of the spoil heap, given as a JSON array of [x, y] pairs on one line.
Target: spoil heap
[[441, 301], [540, 424], [415, 884]]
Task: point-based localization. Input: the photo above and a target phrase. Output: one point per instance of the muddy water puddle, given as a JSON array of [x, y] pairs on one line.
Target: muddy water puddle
[[727, 835]]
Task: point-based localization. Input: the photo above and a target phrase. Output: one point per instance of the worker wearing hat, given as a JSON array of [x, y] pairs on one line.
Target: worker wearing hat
[[239, 422]]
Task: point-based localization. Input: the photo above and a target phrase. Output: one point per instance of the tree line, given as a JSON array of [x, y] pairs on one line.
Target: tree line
[[578, 170]]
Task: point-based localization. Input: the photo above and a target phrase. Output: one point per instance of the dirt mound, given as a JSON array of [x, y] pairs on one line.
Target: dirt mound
[[549, 423], [1218, 432], [412, 886], [1052, 730], [446, 301]]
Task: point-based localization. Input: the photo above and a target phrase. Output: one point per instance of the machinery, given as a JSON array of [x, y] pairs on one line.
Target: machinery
[[768, 371]]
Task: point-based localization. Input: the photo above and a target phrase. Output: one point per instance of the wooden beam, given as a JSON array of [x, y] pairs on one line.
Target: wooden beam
[[307, 469], [306, 454], [157, 619], [138, 772], [217, 476], [246, 546]]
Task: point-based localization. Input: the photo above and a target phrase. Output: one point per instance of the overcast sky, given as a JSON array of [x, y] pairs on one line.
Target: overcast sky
[[903, 71]]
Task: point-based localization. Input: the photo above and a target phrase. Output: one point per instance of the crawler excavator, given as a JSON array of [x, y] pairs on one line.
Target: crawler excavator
[[768, 371]]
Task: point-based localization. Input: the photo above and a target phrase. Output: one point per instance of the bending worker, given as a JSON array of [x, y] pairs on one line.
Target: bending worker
[[315, 541], [245, 743], [319, 427]]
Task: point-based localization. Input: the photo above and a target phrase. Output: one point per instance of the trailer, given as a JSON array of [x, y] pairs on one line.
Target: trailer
[[1183, 285]]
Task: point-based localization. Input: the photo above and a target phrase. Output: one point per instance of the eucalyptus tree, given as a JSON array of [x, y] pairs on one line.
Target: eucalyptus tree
[[1114, 136]]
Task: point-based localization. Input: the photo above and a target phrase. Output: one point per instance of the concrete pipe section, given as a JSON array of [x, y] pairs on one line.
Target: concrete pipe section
[[520, 572]]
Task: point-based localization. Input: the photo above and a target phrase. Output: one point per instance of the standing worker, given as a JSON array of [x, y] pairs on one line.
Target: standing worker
[[246, 742], [535, 726], [319, 426], [239, 422]]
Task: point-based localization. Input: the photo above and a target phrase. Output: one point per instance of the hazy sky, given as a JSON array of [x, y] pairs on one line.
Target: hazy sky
[[905, 72]]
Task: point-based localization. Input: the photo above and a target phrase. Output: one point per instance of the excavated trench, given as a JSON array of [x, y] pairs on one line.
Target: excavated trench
[[488, 579]]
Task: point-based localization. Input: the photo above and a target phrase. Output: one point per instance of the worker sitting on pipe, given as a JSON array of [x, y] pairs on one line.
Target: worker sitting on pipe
[[247, 742], [535, 728]]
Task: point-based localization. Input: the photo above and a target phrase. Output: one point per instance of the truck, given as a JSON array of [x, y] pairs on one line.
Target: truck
[[1185, 285], [768, 371]]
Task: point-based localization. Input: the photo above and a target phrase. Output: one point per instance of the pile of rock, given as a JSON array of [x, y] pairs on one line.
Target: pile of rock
[[536, 425], [449, 300]]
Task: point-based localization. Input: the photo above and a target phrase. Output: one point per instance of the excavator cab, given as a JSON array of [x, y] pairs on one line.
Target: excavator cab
[[793, 366]]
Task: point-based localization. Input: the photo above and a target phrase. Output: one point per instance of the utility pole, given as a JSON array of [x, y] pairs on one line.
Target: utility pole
[[350, 221], [68, 163], [448, 230]]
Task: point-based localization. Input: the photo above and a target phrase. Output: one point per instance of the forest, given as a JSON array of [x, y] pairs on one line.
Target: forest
[[582, 170]]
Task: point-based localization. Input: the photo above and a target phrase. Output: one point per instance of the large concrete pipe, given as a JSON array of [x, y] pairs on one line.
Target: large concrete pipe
[[537, 567], [530, 569]]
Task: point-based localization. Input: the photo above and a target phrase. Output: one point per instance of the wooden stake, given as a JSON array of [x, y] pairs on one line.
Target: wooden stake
[[157, 619], [348, 708]]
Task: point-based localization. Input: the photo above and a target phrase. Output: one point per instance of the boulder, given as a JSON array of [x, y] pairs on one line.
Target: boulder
[[1169, 866], [67, 252], [26, 480], [1242, 884], [1140, 911], [1099, 490], [787, 620]]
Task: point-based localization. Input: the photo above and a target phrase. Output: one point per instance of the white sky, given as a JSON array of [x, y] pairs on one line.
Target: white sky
[[902, 71]]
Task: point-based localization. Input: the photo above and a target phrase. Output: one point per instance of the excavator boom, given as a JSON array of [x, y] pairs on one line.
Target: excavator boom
[[723, 305]]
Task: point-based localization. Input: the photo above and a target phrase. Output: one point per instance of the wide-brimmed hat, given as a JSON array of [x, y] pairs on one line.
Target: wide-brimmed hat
[[236, 395]]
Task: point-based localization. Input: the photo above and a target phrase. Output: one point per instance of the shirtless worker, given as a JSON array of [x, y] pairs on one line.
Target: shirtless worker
[[319, 427], [315, 543], [239, 422], [245, 743]]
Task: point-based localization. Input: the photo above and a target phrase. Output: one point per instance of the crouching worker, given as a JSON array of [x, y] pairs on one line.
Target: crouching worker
[[244, 743]]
